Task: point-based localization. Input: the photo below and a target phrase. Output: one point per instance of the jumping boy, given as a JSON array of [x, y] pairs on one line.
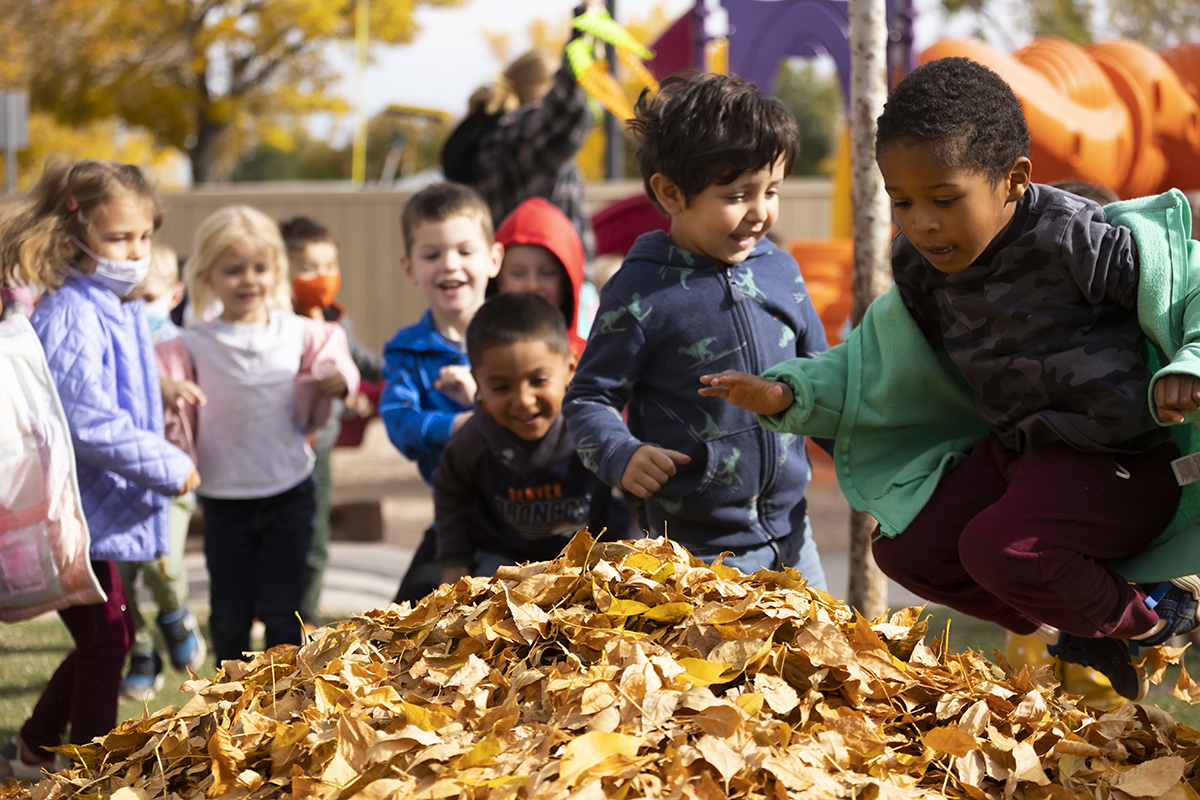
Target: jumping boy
[[509, 487], [449, 255], [1032, 296], [713, 294]]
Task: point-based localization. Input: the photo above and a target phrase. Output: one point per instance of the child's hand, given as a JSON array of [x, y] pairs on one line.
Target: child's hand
[[332, 384], [649, 469], [174, 391], [749, 392], [454, 572], [361, 405], [457, 382], [1175, 395], [190, 483]]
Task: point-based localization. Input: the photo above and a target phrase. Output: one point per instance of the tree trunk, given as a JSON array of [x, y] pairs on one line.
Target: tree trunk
[[872, 232], [203, 154]]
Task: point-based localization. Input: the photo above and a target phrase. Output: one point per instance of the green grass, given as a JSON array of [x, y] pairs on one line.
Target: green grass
[[30, 652]]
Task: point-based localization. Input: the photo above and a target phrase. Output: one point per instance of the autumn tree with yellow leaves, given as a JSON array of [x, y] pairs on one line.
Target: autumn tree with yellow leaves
[[202, 76]]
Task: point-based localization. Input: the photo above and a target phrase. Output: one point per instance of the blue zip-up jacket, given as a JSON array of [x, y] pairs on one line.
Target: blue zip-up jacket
[[418, 418], [666, 318], [103, 364]]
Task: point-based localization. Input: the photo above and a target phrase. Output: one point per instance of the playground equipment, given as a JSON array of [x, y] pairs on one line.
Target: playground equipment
[[1116, 113]]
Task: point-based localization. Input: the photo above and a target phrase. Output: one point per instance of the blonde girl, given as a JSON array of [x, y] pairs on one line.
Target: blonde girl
[[267, 376], [83, 233]]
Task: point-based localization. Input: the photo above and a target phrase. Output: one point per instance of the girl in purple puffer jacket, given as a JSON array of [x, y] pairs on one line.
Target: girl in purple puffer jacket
[[83, 233]]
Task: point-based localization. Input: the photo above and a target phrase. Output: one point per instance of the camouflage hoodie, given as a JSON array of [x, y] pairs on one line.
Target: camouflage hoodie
[[1043, 326], [666, 318]]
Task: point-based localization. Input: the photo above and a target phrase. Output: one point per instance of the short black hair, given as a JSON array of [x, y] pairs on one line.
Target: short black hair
[[960, 109], [299, 232], [516, 317], [439, 202], [706, 129]]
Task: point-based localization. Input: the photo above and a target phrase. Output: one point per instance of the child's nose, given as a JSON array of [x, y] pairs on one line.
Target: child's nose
[[927, 221], [758, 209]]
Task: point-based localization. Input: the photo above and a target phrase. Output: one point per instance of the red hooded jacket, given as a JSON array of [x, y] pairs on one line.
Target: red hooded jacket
[[537, 221]]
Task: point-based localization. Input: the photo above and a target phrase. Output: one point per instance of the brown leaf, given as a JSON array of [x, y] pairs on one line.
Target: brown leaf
[[951, 741], [1151, 779], [721, 756]]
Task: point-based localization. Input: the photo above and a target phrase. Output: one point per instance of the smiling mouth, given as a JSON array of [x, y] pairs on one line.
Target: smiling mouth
[[449, 286]]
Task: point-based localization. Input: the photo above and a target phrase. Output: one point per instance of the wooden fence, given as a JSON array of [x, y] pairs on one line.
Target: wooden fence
[[366, 225]]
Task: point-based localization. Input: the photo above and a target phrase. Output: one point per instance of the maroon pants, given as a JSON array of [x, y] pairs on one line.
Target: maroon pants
[[84, 690], [1020, 538]]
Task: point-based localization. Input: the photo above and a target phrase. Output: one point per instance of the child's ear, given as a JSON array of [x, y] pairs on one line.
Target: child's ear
[[669, 195], [572, 362], [497, 259], [1020, 174], [406, 265], [177, 294]]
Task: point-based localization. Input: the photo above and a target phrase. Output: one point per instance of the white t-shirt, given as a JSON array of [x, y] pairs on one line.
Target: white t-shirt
[[249, 439]]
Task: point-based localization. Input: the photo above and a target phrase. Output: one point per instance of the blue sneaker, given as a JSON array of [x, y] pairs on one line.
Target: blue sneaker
[[144, 678], [1177, 603], [1111, 657], [184, 643]]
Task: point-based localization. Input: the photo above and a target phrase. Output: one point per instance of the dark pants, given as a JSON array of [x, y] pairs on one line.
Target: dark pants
[[256, 551], [424, 572], [1019, 538], [83, 691]]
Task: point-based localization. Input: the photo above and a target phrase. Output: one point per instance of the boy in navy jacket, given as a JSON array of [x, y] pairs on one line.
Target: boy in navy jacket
[[713, 295], [509, 486]]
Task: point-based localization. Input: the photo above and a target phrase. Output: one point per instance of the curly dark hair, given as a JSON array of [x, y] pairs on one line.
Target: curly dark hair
[[705, 129], [960, 109]]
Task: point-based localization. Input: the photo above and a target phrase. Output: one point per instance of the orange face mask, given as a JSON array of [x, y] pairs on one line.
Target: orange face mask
[[316, 291]]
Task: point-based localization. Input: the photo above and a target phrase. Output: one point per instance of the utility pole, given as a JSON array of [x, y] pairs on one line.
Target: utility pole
[[362, 36], [872, 234], [614, 129]]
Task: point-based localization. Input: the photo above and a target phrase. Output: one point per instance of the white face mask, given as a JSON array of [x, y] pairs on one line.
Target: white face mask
[[118, 276]]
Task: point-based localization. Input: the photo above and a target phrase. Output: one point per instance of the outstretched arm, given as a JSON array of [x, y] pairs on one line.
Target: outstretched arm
[[750, 392]]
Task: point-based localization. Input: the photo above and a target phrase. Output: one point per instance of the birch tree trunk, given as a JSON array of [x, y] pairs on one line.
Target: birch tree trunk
[[872, 234]]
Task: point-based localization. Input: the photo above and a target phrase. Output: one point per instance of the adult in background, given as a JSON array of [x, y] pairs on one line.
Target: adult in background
[[520, 137]]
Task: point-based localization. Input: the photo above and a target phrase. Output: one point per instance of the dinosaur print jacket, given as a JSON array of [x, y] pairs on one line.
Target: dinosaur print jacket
[[666, 318]]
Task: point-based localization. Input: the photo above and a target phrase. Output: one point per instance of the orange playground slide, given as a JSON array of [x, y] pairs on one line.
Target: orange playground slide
[[1116, 113]]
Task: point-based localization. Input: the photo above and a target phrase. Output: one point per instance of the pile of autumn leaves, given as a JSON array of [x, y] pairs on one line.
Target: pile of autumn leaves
[[631, 670]]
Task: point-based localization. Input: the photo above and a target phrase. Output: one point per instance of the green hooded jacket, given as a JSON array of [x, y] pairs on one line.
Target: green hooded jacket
[[902, 416]]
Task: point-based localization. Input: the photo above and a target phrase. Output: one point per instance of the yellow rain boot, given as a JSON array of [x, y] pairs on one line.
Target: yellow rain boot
[[1026, 651]]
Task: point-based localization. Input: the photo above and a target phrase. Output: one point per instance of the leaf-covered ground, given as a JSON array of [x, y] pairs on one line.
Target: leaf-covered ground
[[630, 670]]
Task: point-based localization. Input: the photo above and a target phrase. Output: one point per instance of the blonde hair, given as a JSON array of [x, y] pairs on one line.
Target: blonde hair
[[221, 229], [36, 248], [164, 263], [528, 76]]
